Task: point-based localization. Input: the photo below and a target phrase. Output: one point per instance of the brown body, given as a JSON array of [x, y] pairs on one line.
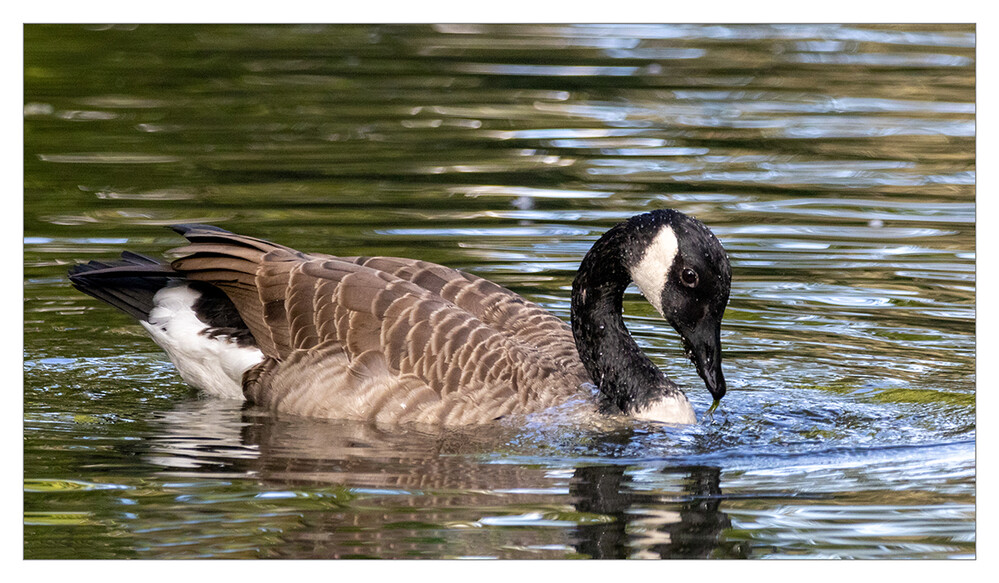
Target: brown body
[[400, 340]]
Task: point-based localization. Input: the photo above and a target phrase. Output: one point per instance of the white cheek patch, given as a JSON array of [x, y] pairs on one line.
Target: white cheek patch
[[651, 272]]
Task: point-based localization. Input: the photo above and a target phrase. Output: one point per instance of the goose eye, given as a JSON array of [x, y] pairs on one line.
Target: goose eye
[[689, 277]]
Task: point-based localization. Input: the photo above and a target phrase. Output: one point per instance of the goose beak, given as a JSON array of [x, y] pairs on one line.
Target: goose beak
[[704, 350]]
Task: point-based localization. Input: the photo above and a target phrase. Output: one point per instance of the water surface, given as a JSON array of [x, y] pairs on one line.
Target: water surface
[[834, 162]]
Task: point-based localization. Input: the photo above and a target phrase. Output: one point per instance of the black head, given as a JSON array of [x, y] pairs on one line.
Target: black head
[[685, 273]]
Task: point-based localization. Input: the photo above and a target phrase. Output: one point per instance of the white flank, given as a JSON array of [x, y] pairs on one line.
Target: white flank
[[214, 365], [671, 409], [651, 272]]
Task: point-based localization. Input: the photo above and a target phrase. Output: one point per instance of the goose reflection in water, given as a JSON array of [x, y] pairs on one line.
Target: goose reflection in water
[[686, 525], [349, 490]]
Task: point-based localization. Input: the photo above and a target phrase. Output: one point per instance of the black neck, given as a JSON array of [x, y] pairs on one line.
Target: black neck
[[626, 378]]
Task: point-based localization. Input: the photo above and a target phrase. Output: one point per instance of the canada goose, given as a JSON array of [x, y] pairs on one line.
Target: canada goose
[[399, 340]]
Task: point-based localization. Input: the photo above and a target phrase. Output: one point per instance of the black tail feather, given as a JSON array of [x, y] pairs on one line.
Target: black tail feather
[[128, 284]]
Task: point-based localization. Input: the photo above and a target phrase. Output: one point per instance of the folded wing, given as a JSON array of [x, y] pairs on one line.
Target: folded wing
[[384, 338]]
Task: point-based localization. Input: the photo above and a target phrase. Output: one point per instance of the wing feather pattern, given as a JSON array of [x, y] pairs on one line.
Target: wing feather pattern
[[384, 339]]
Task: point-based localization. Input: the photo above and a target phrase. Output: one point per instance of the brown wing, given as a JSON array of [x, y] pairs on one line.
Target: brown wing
[[384, 338], [495, 305]]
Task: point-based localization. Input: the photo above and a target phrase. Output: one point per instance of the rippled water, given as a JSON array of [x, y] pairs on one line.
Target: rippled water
[[835, 163]]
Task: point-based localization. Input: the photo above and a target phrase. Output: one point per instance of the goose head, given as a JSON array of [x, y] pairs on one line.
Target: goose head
[[685, 274], [682, 270]]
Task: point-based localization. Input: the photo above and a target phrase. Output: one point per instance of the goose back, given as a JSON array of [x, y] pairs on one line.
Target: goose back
[[382, 338]]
